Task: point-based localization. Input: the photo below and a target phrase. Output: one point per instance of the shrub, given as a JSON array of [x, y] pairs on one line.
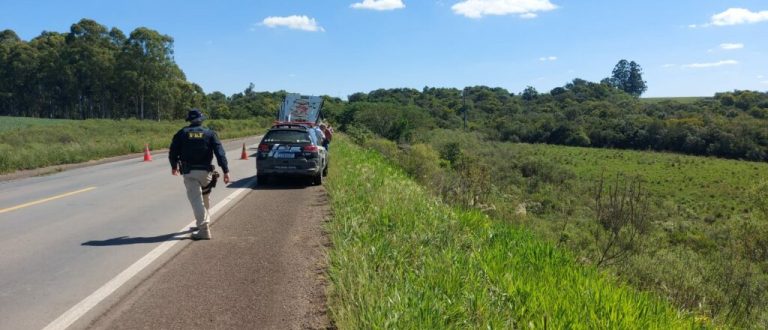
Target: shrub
[[385, 147], [359, 134], [421, 161], [545, 170], [621, 210]]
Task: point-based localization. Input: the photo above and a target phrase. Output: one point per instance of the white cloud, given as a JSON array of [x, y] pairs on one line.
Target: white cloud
[[548, 58], [764, 82], [379, 4], [760, 76], [524, 8], [711, 64], [669, 65], [731, 46], [295, 22], [735, 16]]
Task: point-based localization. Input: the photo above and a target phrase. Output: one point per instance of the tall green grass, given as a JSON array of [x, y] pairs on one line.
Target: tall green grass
[[402, 259], [28, 143], [8, 123]]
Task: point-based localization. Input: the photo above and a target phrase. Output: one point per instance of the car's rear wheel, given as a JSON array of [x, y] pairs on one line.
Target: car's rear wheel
[[325, 170], [261, 179]]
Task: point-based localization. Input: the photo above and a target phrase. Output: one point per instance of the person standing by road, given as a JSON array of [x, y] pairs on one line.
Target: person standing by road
[[192, 150], [328, 135]]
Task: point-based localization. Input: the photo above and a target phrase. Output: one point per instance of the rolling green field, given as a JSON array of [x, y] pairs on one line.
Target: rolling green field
[[27, 143], [707, 188], [403, 259]]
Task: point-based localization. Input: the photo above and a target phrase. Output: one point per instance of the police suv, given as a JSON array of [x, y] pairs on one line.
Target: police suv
[[292, 150]]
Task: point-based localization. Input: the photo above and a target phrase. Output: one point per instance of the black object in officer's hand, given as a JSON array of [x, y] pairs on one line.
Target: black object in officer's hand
[[214, 178]]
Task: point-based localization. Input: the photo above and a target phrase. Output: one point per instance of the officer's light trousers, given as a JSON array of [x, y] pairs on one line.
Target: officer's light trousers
[[195, 180]]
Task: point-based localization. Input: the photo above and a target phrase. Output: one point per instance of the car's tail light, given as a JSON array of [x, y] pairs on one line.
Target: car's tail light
[[310, 151], [263, 147]]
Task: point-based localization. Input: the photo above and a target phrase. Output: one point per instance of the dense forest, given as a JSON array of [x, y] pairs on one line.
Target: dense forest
[[93, 72], [580, 113]]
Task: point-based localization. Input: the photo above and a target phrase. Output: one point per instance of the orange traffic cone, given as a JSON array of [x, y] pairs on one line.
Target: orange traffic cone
[[244, 155], [147, 155]]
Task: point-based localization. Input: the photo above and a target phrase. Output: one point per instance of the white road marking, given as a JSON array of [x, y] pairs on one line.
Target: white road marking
[[76, 312]]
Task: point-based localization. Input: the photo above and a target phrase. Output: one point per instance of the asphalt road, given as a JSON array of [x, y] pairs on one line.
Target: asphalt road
[[64, 236], [264, 269]]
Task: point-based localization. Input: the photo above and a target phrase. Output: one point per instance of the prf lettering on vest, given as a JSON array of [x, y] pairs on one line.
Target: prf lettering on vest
[[195, 135]]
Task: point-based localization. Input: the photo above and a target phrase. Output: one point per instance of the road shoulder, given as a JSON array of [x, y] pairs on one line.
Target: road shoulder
[[264, 269]]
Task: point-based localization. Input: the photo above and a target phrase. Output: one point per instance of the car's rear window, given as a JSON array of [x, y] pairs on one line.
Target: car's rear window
[[287, 137]]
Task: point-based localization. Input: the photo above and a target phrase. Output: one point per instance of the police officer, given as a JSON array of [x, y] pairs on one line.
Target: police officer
[[191, 153]]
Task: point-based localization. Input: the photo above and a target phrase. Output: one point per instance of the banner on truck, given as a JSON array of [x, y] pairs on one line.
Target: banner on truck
[[298, 107]]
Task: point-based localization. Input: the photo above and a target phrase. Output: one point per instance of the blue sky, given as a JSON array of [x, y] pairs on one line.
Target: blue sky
[[338, 47]]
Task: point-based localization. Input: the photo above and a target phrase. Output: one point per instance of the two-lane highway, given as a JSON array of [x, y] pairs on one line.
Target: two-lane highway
[[65, 236]]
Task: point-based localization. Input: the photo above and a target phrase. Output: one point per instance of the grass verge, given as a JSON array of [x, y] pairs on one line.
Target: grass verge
[[403, 259], [33, 143]]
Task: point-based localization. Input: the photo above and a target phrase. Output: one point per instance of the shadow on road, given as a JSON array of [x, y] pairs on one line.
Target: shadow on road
[[275, 183], [126, 240], [282, 183], [242, 183]]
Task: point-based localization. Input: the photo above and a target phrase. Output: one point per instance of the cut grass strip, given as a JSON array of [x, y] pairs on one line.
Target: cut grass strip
[[402, 259]]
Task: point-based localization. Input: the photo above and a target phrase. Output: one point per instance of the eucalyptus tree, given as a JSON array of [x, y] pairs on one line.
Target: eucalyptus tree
[[148, 67], [91, 57], [627, 76], [8, 41], [18, 60], [52, 78]]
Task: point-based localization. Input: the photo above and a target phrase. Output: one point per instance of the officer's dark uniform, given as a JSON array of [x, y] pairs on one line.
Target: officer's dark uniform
[[192, 151]]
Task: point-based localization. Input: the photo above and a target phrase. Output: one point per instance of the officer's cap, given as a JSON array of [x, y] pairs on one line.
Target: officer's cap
[[195, 115]]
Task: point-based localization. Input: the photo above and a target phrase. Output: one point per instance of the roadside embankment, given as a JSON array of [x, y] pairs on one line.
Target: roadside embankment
[[403, 259]]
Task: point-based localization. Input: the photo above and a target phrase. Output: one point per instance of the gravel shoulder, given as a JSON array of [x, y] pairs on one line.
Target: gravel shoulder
[[263, 269]]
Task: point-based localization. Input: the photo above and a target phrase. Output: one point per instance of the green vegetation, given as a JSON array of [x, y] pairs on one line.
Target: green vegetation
[[9, 123], [681, 100], [93, 71], [692, 229], [581, 113], [698, 234], [28, 144], [403, 259], [628, 77]]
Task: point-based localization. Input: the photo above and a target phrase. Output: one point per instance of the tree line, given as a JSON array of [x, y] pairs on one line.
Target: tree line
[[580, 113], [93, 72]]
